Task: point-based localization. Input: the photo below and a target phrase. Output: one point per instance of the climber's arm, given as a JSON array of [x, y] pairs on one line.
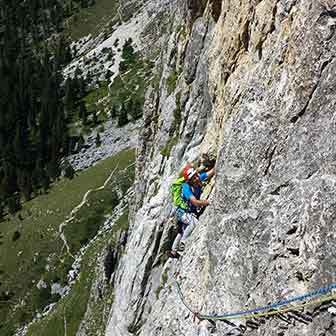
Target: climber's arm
[[211, 173], [198, 203]]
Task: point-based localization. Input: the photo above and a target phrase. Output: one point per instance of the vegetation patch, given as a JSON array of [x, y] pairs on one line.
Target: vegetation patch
[[86, 109], [166, 150], [91, 19], [164, 278], [39, 252], [92, 215], [73, 306], [177, 116], [174, 130], [93, 97], [171, 82], [123, 101], [122, 223], [71, 309], [128, 88]]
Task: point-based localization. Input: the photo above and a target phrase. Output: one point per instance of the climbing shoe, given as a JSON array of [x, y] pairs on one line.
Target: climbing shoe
[[181, 247], [173, 254]]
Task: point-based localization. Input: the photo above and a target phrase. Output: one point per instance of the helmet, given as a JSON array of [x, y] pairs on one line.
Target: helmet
[[189, 172]]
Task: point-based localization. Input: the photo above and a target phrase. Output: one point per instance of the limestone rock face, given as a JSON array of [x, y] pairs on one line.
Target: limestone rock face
[[257, 84]]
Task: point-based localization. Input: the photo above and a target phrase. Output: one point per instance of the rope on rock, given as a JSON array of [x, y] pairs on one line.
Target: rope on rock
[[323, 293], [325, 298]]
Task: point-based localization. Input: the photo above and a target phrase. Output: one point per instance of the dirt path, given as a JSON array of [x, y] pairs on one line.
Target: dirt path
[[78, 207]]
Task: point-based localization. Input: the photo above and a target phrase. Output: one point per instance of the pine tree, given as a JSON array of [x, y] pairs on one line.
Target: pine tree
[[128, 55], [136, 110], [69, 102], [13, 203], [113, 112], [45, 182], [38, 175], [69, 171], [81, 87], [32, 119], [129, 106], [98, 140], [24, 180], [122, 118], [81, 142], [2, 208], [52, 170], [84, 3], [94, 116], [83, 114], [108, 74]]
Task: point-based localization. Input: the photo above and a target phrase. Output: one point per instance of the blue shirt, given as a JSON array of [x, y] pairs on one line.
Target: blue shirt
[[189, 191]]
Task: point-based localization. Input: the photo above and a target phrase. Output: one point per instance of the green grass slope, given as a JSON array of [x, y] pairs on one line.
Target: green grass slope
[[93, 20], [65, 319], [30, 245]]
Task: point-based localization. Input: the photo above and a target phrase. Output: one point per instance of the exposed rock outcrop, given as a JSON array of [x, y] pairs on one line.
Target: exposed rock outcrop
[[258, 85], [112, 140]]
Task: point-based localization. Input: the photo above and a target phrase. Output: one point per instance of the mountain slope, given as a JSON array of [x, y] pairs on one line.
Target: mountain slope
[[257, 88], [251, 82]]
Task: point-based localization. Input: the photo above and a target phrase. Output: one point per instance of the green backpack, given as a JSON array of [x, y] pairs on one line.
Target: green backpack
[[176, 192]]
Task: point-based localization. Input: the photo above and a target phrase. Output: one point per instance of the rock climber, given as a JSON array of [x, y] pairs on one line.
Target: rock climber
[[187, 218]]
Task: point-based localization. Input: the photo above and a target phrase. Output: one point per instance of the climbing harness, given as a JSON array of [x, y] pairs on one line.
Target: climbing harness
[[269, 310]]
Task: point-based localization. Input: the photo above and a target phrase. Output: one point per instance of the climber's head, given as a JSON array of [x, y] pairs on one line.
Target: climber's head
[[190, 174]]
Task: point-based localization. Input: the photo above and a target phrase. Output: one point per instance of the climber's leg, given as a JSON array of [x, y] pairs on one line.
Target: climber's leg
[[189, 221]]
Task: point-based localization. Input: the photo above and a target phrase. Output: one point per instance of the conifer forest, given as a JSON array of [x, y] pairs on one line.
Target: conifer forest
[[35, 106]]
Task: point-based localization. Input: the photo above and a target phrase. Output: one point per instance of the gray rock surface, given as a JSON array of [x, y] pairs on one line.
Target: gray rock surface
[[253, 82], [194, 49], [113, 140], [259, 86]]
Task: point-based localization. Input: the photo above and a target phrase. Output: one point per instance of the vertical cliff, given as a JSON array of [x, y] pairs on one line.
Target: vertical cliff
[[253, 81]]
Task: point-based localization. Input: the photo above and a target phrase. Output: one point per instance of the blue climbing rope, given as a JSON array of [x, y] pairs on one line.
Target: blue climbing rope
[[318, 292]]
